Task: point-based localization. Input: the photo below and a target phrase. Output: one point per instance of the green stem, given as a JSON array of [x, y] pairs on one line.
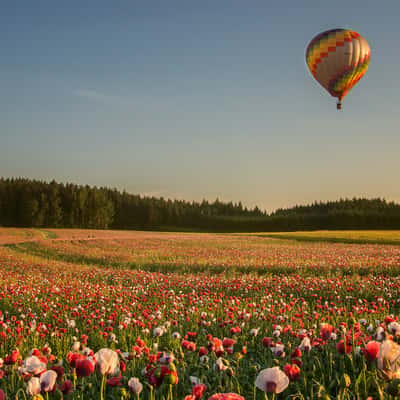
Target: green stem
[[74, 378], [103, 379], [17, 394]]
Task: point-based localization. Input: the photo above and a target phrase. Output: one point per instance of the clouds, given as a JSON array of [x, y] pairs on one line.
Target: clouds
[[96, 96]]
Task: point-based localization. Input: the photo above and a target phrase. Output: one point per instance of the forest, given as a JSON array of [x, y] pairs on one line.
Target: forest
[[33, 203]]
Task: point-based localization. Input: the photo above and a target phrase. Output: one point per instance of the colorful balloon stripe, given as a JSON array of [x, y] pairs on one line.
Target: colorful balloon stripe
[[345, 80], [323, 44], [338, 59]]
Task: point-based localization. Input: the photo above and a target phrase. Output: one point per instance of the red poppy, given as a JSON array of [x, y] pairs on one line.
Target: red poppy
[[371, 350], [84, 368]]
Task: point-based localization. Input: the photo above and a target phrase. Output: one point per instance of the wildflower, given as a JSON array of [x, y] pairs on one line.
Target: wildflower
[[87, 352], [33, 386], [226, 396], [228, 343], [158, 331], [202, 351], [343, 347], [272, 380], [394, 328], [198, 390], [278, 350], [326, 331], [371, 350], [33, 365], [221, 364], [389, 359], [71, 323], [114, 381], [12, 358], [135, 386], [166, 358], [276, 333], [73, 358], [168, 374], [58, 370], [194, 380], [75, 346], [46, 349], [204, 359], [176, 335], [48, 381], [380, 334], [292, 371], [305, 344], [107, 362], [267, 342], [67, 387], [84, 368], [254, 332]]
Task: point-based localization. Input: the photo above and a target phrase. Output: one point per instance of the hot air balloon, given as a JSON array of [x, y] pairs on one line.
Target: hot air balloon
[[338, 59]]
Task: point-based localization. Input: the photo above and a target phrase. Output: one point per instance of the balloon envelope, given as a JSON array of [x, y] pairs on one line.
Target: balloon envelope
[[338, 59]]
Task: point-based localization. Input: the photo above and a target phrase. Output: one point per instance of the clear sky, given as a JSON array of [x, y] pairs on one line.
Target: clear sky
[[198, 99]]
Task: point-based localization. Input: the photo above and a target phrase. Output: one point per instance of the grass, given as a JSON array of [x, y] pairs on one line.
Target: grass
[[356, 237]]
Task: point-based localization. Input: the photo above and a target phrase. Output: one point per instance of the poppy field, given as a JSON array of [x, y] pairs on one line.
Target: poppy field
[[147, 315]]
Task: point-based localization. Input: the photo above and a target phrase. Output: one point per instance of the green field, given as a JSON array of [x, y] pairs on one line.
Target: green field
[[357, 237]]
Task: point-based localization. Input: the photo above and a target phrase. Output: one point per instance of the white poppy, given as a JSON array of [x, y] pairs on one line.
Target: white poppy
[[272, 380], [305, 344], [33, 365], [107, 362], [48, 380], [394, 328], [33, 386], [278, 350], [135, 386], [389, 359]]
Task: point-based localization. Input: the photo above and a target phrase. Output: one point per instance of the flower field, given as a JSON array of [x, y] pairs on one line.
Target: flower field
[[140, 315]]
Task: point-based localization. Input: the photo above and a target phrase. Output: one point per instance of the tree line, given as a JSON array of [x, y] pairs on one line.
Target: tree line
[[34, 203]]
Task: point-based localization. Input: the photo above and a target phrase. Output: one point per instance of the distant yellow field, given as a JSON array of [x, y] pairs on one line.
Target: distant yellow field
[[379, 237]]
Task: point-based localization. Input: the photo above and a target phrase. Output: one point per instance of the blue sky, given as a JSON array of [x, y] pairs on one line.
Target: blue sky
[[197, 99]]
